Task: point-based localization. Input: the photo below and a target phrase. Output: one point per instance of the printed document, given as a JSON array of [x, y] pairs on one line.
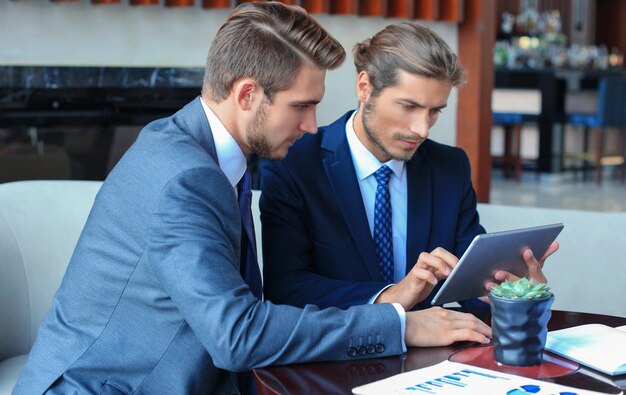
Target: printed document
[[457, 378]]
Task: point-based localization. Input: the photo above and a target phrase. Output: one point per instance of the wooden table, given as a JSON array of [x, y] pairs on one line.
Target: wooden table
[[341, 377]]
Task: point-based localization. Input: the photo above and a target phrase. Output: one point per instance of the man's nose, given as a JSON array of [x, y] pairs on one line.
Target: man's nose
[[309, 123], [420, 125]]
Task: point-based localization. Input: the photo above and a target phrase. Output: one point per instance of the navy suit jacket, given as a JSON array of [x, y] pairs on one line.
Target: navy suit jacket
[[317, 245], [152, 301]]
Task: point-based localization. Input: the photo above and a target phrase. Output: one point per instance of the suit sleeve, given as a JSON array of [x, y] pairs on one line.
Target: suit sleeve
[[193, 249], [289, 252]]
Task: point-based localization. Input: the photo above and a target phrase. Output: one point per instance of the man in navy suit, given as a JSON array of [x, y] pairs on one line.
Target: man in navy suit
[[327, 237], [162, 294]]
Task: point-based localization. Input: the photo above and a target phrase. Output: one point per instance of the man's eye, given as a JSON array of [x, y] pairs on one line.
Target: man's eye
[[301, 107]]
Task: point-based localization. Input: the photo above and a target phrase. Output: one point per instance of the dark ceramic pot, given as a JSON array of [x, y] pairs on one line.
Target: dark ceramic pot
[[520, 328]]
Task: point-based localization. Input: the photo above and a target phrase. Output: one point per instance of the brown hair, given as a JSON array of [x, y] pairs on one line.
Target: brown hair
[[268, 42], [408, 46]]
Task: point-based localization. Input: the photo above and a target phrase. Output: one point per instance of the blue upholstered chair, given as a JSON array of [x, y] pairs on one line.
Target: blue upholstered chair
[[512, 123], [611, 112]]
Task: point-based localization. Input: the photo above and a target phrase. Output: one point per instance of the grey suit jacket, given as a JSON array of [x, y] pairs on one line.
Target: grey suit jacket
[[152, 300]]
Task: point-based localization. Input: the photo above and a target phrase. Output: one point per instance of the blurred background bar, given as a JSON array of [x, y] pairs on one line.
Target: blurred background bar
[[216, 3], [316, 6], [400, 9], [451, 10], [143, 2], [343, 7], [562, 50], [427, 9], [179, 3], [373, 7]]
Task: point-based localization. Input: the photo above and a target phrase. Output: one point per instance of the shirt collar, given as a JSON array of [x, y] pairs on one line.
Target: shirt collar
[[230, 157], [365, 163]]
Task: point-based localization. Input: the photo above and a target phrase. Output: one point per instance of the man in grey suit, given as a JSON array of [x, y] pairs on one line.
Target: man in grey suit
[[162, 294]]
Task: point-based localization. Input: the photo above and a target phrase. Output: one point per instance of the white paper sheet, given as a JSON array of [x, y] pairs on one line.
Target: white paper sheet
[[457, 378]]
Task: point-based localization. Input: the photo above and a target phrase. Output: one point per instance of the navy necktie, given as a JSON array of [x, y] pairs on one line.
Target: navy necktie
[[249, 265], [383, 237]]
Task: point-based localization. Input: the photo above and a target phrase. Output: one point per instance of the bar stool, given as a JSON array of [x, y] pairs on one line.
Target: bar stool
[[512, 123], [611, 112]]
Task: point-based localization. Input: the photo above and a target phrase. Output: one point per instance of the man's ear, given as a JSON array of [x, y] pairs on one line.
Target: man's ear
[[245, 91], [363, 86]]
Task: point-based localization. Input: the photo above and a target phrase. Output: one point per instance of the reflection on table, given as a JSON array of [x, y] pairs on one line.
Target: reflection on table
[[341, 377]]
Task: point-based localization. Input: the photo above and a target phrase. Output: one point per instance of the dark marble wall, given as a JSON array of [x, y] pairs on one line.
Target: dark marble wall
[[74, 122], [61, 96], [27, 77]]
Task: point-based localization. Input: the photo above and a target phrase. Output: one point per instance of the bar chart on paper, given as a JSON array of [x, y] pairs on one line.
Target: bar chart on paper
[[456, 378]]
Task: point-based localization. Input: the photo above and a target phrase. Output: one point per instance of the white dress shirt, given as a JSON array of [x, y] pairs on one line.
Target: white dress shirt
[[230, 157]]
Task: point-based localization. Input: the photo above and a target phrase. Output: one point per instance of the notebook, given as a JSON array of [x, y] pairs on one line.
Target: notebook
[[594, 345]]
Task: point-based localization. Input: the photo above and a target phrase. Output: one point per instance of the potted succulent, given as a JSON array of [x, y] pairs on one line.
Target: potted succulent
[[520, 311]]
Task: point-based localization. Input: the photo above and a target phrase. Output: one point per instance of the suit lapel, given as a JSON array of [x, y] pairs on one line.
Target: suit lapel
[[420, 193], [345, 187]]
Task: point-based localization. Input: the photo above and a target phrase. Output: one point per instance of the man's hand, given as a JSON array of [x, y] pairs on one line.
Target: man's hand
[[420, 281], [440, 327], [534, 268]]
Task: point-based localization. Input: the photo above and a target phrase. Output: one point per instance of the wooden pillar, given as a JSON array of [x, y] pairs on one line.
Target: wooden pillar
[[609, 30], [473, 129]]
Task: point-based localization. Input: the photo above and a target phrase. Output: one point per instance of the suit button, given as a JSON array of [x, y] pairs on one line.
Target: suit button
[[360, 350], [380, 348], [370, 349], [352, 352]]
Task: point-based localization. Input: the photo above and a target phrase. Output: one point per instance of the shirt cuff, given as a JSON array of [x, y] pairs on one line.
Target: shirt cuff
[[373, 298], [402, 315]]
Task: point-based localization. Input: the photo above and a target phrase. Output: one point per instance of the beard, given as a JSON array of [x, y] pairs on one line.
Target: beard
[[256, 138], [369, 110]]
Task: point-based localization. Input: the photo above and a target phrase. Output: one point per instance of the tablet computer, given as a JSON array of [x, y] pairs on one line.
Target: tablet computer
[[491, 252]]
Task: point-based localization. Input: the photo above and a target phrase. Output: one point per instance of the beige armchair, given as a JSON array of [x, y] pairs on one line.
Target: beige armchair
[[40, 222]]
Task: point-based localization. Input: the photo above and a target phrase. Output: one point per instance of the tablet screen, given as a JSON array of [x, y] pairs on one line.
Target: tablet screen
[[489, 253]]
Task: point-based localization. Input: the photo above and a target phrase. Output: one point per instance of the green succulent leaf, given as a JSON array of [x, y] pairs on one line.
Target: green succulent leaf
[[521, 289]]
